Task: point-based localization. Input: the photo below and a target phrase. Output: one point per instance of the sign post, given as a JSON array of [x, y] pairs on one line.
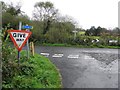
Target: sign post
[[28, 47], [32, 48], [27, 29], [20, 24], [19, 38]]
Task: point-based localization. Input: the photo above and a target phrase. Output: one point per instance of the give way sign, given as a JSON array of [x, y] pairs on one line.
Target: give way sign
[[19, 37]]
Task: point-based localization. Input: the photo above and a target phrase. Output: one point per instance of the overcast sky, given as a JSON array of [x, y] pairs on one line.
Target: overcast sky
[[87, 13]]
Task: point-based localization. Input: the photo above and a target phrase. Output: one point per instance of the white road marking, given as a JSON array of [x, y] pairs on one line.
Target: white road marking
[[73, 56], [45, 54], [58, 55], [87, 57]]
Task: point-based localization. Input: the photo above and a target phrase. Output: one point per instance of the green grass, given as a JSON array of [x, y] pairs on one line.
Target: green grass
[[56, 44], [45, 72], [81, 33], [36, 72], [93, 37], [80, 46]]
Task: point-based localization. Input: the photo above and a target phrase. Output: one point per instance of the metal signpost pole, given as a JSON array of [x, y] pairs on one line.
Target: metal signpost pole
[[20, 25], [27, 47], [18, 57], [27, 29]]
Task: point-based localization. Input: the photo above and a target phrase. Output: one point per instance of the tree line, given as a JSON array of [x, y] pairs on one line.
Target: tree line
[[49, 26]]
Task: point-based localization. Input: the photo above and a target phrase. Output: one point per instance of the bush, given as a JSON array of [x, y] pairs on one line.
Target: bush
[[36, 72]]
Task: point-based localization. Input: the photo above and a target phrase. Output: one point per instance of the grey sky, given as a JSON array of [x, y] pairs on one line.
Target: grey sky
[[87, 13]]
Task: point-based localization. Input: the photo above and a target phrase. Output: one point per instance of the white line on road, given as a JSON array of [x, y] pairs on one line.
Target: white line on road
[[73, 56], [57, 55], [45, 54], [88, 57]]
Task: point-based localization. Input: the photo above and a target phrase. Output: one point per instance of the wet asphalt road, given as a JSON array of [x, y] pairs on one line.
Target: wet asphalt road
[[84, 68]]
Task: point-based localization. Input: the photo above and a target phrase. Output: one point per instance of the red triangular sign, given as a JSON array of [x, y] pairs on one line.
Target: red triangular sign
[[19, 37]]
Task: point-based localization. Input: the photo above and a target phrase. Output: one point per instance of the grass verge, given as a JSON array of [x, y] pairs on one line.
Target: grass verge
[[80, 46], [36, 72]]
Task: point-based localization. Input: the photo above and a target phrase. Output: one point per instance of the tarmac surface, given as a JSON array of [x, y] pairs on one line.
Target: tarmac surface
[[84, 67]]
